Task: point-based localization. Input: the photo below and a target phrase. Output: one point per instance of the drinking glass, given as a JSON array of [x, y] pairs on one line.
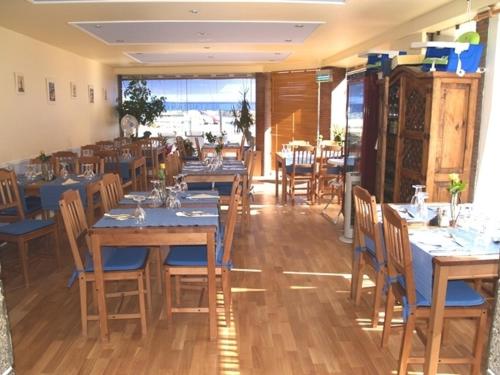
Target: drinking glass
[[30, 172], [64, 171], [139, 213], [155, 196]]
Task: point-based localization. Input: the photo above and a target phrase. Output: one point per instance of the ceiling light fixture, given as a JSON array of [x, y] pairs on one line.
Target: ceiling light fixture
[[277, 53], [97, 26], [288, 40], [206, 47], [194, 11], [299, 26], [201, 33], [119, 41]]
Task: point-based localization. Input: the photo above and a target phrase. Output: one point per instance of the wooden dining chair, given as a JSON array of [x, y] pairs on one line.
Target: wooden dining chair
[[302, 170], [111, 191], [138, 175], [241, 151], [368, 249], [89, 150], [119, 264], [111, 160], [105, 145], [94, 162], [461, 300], [64, 158], [122, 141], [22, 230], [327, 174], [198, 148], [133, 150], [191, 260]]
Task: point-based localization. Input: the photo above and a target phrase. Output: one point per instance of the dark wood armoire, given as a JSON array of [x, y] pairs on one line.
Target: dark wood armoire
[[425, 132]]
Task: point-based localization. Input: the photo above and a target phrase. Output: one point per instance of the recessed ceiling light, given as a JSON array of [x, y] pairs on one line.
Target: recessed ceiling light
[[119, 41], [288, 40], [210, 57], [194, 11], [97, 26], [201, 33], [299, 26], [206, 47], [277, 53]]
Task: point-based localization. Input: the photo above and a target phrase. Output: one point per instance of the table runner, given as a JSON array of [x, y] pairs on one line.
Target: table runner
[[184, 198], [50, 192]]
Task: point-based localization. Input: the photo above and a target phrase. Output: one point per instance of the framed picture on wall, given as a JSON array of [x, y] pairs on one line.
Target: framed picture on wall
[[51, 90], [19, 83], [105, 94], [91, 94], [72, 90]]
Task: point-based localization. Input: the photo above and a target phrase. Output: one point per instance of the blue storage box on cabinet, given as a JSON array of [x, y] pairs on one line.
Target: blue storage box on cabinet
[[380, 60], [447, 60]]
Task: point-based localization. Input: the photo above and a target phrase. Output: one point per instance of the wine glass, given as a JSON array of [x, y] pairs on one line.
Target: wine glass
[[139, 213], [64, 171], [418, 190], [155, 196], [30, 172]]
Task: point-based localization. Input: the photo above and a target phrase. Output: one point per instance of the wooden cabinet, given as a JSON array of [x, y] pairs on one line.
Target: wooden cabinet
[[426, 131]]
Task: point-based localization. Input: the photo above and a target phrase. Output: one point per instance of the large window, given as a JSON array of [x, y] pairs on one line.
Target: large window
[[195, 106]]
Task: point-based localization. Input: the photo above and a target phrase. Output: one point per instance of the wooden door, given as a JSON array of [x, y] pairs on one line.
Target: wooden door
[[294, 111]]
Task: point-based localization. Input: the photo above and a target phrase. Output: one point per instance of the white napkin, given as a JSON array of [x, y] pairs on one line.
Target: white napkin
[[70, 181], [200, 196], [195, 214]]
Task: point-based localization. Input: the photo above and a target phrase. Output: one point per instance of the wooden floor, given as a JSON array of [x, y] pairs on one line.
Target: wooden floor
[[291, 314]]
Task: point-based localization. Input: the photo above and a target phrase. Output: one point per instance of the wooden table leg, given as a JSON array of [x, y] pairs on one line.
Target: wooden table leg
[[431, 359], [245, 202], [276, 182], [99, 285], [283, 183], [212, 293]]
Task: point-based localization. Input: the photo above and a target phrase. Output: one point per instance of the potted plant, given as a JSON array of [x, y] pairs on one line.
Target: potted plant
[[138, 102], [243, 119]]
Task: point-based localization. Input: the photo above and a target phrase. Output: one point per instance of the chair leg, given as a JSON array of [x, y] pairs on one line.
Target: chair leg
[[479, 343], [142, 305], [82, 283], [226, 290], [23, 247], [407, 344], [379, 284], [157, 252], [389, 310], [355, 272], [177, 280], [147, 275], [168, 294], [359, 281], [94, 297]]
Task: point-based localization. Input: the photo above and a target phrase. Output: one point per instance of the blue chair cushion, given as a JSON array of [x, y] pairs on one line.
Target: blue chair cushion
[[190, 158], [31, 205], [200, 186], [119, 259], [193, 256], [299, 170], [224, 188], [458, 294], [333, 170], [23, 227]]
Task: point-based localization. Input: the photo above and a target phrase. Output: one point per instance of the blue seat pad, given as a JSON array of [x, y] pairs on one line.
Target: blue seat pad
[[25, 226], [119, 259], [190, 158], [200, 186], [458, 294], [224, 188], [32, 204], [299, 170], [193, 256]]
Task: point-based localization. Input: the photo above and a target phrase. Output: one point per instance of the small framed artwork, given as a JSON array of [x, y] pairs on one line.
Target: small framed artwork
[[91, 94], [105, 94], [51, 90], [72, 90], [19, 83]]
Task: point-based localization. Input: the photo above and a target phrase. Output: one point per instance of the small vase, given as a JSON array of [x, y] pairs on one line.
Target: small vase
[[454, 209]]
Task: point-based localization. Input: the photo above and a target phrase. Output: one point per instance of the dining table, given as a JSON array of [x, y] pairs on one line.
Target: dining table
[[160, 227], [198, 198], [198, 172], [208, 149], [442, 254]]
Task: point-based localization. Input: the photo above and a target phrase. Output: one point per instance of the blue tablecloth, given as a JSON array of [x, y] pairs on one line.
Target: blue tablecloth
[[431, 242], [163, 217], [186, 198], [51, 192], [228, 168], [123, 168]]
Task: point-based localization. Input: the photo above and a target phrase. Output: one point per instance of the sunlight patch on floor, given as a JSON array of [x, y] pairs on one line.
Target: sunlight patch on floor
[[346, 276], [245, 270], [300, 287], [243, 290], [229, 361]]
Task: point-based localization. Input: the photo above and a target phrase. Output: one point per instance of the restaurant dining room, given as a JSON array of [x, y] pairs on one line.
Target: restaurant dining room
[[249, 187]]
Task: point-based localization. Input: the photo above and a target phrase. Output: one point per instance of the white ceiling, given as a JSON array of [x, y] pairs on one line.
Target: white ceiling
[[241, 35], [207, 57], [231, 31]]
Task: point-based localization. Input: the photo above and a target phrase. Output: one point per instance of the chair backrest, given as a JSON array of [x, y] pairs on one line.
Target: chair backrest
[[111, 191], [89, 150], [130, 149], [298, 143], [249, 159], [105, 145], [95, 161], [67, 158], [111, 160], [122, 141], [9, 193], [304, 156], [329, 151], [198, 148], [174, 166], [139, 174], [399, 257], [75, 223], [231, 219], [366, 221]]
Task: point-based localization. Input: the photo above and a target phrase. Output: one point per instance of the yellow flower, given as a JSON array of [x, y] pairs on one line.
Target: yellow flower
[[162, 165], [454, 177]]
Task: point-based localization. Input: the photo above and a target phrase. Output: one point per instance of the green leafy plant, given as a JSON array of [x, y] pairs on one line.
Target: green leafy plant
[[43, 157], [243, 119], [210, 137], [188, 147], [456, 184], [138, 102]]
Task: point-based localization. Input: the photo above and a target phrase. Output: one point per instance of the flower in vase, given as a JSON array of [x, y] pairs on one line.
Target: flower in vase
[[456, 184]]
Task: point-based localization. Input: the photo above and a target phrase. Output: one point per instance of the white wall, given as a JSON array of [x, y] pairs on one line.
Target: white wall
[[28, 123], [488, 178]]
